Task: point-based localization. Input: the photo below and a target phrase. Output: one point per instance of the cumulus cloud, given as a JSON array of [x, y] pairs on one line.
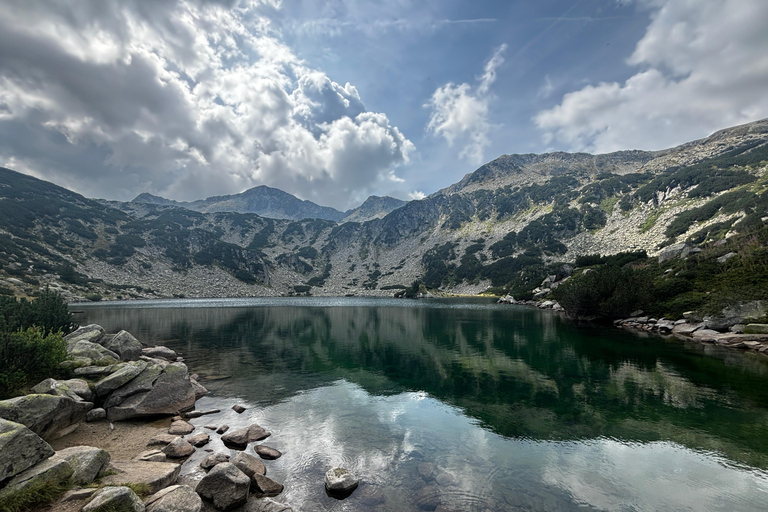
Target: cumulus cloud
[[460, 112], [701, 66], [185, 99]]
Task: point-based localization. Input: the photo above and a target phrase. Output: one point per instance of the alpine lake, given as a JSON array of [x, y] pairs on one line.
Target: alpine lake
[[466, 405]]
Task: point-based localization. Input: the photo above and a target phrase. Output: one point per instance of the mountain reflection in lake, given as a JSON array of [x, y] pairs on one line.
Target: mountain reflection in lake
[[467, 405]]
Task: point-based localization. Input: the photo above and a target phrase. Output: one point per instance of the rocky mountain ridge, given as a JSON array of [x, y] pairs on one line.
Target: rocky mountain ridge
[[502, 227], [273, 203]]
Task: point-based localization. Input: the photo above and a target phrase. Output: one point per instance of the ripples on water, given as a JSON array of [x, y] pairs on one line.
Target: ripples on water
[[467, 405]]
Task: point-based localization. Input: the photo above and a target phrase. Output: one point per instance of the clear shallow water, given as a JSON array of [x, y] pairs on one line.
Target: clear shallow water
[[470, 405]]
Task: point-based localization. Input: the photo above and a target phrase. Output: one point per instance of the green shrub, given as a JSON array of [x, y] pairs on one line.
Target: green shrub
[[28, 356], [93, 297], [608, 292]]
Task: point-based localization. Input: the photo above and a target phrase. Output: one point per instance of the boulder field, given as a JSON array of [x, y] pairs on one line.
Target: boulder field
[[117, 378]]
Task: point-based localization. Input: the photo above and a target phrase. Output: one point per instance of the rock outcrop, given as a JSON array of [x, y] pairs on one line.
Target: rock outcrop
[[48, 416], [20, 449], [163, 390]]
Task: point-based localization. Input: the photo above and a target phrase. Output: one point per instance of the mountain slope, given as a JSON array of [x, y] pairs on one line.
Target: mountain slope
[[508, 225]]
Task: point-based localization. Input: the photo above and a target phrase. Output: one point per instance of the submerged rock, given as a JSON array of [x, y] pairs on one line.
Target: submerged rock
[[340, 481], [266, 452]]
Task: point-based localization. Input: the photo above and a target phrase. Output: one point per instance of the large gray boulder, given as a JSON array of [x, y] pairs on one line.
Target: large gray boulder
[[86, 461], [48, 416], [49, 473], [225, 485], [120, 378], [114, 499], [92, 351], [20, 449], [266, 505], [176, 498], [125, 345], [76, 389], [92, 333], [239, 439], [171, 393]]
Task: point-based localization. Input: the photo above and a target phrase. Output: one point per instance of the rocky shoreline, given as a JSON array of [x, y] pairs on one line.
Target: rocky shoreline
[[731, 332], [120, 380], [752, 337]]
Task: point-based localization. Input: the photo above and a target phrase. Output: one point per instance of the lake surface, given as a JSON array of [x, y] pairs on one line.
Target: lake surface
[[470, 406]]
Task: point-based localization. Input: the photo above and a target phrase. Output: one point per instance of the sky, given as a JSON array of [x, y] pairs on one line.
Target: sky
[[336, 100]]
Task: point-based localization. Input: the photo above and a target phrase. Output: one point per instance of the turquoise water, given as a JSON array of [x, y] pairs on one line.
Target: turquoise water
[[469, 405]]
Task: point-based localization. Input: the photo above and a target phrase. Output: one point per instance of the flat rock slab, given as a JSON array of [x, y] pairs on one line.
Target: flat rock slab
[[176, 498], [181, 428], [266, 452], [92, 332], [266, 505], [120, 378], [121, 499], [199, 440], [157, 475], [197, 414], [20, 449], [161, 440], [214, 459], [239, 439], [152, 456], [159, 352]]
